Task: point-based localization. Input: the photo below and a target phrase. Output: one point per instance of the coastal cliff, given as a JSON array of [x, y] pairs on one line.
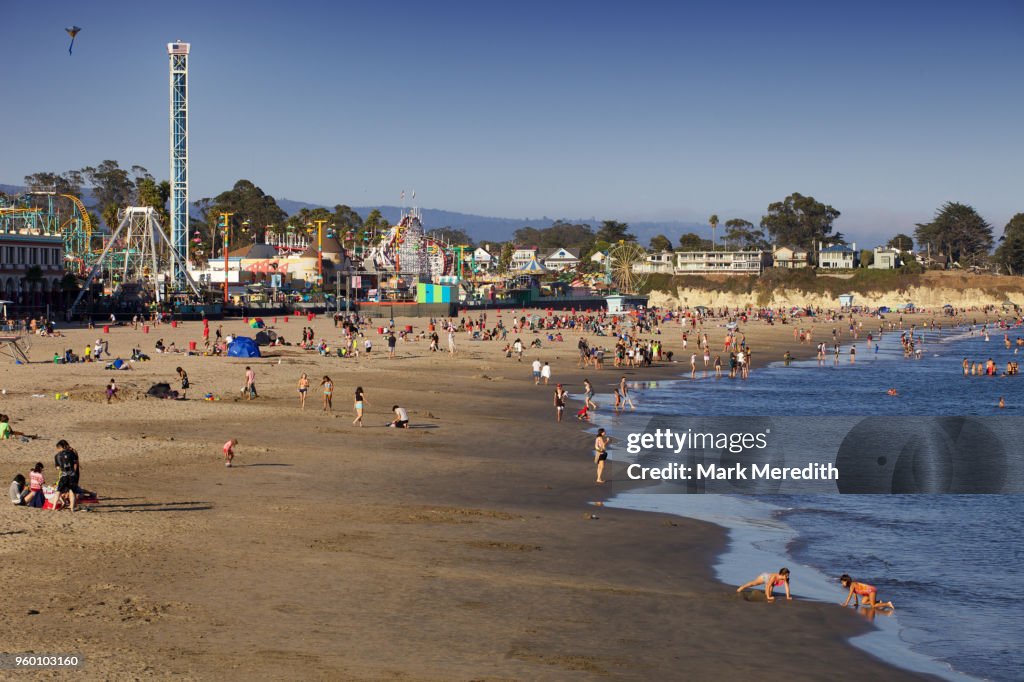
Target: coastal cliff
[[870, 288]]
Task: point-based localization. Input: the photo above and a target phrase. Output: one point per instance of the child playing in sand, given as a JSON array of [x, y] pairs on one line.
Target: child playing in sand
[[35, 486], [584, 414], [770, 582], [229, 451], [862, 591]]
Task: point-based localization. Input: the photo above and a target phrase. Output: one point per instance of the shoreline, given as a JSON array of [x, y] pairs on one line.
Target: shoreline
[[482, 518]]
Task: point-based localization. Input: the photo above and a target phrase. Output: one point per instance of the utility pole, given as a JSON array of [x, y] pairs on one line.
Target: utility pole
[[226, 217]]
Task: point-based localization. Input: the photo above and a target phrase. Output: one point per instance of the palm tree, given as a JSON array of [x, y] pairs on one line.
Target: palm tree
[[714, 226]]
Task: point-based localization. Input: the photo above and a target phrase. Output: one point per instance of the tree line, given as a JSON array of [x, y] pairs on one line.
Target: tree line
[[957, 234]]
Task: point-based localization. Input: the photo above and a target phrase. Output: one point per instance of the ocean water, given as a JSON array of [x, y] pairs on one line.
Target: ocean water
[[951, 563]]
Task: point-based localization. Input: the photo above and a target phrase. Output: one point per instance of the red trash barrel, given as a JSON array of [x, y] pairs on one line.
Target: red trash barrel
[[430, 327], [106, 329], [380, 330], [145, 329], [174, 324], [408, 328], [191, 345], [245, 320], [309, 317]]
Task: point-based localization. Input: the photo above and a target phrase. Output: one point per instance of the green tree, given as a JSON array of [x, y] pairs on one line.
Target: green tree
[[149, 192], [867, 258], [1010, 253], [901, 242], [693, 242], [375, 224], [799, 221], [64, 183], [713, 221], [113, 187], [505, 260], [957, 234], [346, 219], [661, 243], [743, 235], [248, 203], [613, 231]]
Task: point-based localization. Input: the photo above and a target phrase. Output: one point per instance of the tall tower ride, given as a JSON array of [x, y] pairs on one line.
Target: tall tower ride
[[178, 53]]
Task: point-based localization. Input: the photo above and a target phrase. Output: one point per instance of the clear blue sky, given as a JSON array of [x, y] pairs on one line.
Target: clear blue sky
[[637, 111]]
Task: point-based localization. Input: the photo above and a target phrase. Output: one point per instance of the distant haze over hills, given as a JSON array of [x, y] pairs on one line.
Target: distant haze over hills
[[481, 228]]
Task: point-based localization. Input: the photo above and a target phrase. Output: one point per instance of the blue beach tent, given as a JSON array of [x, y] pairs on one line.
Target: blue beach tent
[[243, 347]]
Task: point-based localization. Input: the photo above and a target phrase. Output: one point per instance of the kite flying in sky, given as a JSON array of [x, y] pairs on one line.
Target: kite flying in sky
[[72, 31]]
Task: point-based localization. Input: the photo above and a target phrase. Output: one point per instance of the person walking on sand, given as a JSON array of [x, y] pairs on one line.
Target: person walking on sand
[[358, 406], [561, 395], [392, 342], [601, 453], [229, 451], [770, 582], [545, 373], [862, 593], [303, 390], [328, 393], [624, 392], [250, 383], [536, 372], [111, 391], [451, 340]]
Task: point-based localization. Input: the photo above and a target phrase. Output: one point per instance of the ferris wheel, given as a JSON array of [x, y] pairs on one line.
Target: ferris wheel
[[623, 261]]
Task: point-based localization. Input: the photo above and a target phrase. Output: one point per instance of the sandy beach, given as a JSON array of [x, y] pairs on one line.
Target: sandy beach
[[460, 549]]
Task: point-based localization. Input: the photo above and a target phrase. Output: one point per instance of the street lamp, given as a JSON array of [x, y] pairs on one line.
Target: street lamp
[[226, 217]]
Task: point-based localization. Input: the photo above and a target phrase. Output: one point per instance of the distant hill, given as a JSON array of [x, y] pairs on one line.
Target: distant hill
[[488, 228], [480, 228]]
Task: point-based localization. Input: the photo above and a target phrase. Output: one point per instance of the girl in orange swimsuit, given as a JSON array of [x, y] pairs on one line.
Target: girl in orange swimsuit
[[863, 593]]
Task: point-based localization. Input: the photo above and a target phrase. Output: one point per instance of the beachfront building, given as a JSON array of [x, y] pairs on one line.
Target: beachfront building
[[790, 257], [885, 258], [837, 256], [31, 267], [523, 255], [561, 259], [721, 262], [599, 257], [660, 262], [480, 259]]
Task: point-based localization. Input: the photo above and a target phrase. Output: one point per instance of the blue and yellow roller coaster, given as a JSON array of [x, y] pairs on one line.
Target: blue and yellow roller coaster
[[50, 213]]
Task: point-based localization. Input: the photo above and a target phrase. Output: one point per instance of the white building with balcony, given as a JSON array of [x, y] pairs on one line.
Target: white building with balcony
[[720, 262]]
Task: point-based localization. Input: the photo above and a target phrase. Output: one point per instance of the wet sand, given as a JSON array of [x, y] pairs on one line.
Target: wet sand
[[461, 549]]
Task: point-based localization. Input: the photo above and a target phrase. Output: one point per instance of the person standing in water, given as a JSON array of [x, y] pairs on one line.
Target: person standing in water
[[624, 392], [601, 453]]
